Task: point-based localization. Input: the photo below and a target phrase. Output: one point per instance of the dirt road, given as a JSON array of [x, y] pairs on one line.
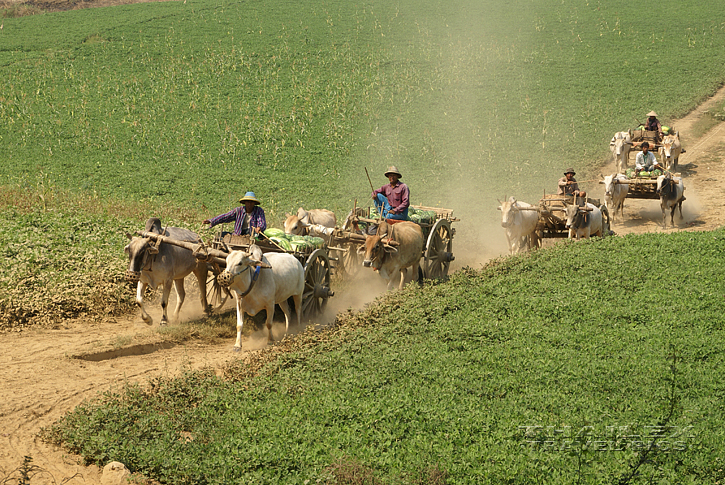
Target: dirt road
[[46, 373]]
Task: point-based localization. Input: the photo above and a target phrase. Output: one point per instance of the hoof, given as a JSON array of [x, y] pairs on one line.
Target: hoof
[[237, 349], [163, 322], [148, 320]]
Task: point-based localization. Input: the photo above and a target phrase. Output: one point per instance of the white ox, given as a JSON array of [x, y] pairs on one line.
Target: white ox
[[670, 151], [520, 220], [151, 265], [259, 282], [314, 222], [393, 261], [615, 191], [621, 145], [672, 194], [583, 222]]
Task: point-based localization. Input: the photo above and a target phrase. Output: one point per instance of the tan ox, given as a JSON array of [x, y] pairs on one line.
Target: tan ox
[[393, 261], [314, 222], [151, 264], [670, 151]]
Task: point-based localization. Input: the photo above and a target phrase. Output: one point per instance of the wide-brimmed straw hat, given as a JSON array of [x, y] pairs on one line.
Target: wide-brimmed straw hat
[[394, 170], [250, 196], [569, 170], [652, 113]]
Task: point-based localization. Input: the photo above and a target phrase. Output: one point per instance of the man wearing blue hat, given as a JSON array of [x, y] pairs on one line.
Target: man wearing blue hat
[[247, 220]]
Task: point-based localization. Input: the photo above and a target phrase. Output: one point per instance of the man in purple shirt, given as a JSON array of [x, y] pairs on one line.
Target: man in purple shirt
[[247, 220], [392, 200]]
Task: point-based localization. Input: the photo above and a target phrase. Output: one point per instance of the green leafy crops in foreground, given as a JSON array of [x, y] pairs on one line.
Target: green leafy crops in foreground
[[590, 362]]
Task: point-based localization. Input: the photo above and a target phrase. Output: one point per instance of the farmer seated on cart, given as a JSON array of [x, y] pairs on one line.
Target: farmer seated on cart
[[248, 219], [568, 184], [392, 200], [646, 160], [653, 124]]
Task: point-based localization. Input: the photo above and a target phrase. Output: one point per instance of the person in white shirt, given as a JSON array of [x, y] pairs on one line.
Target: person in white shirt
[[646, 160]]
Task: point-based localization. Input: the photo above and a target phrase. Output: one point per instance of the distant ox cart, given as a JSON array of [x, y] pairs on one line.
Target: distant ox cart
[[624, 143], [527, 225]]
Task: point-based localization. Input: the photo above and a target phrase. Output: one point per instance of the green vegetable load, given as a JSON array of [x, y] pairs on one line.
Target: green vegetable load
[[282, 242], [271, 232]]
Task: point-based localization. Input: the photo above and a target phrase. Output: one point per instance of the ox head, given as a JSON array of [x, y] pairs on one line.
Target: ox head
[[666, 186], [375, 251], [239, 262], [670, 145], [609, 183], [620, 141], [509, 209], [296, 223], [139, 251], [576, 216]]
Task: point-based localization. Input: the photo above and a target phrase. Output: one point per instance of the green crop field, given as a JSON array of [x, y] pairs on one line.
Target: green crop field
[[111, 115], [180, 107], [523, 372]]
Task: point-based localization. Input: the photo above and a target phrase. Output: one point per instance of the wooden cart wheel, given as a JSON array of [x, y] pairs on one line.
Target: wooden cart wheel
[[317, 283], [216, 294], [438, 252]]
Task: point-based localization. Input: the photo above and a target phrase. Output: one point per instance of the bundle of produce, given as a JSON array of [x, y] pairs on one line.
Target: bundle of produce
[[307, 243], [630, 173], [271, 232], [420, 216], [301, 246], [282, 242]]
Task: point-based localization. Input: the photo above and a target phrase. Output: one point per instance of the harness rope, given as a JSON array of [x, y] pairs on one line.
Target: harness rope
[[254, 280]]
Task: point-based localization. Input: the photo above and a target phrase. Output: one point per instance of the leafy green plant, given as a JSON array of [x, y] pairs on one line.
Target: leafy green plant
[[459, 373]]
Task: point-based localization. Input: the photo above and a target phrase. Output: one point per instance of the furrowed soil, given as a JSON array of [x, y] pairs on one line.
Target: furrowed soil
[[47, 372]]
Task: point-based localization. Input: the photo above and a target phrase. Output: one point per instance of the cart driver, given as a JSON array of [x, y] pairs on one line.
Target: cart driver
[[568, 184], [248, 219], [646, 160], [653, 124], [392, 200]]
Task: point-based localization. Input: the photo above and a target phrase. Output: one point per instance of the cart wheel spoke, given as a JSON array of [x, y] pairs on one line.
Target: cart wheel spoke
[[317, 283], [216, 295], [436, 253]]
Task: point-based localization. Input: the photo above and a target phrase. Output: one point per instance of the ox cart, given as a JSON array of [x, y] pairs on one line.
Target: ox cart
[[314, 260], [642, 187], [552, 216], [435, 222], [639, 136]]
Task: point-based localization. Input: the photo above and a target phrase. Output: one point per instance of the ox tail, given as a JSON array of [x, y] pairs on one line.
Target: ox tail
[[420, 276]]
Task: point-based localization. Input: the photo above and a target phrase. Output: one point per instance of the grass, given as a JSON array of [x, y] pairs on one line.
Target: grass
[[195, 103], [710, 119], [492, 376]]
